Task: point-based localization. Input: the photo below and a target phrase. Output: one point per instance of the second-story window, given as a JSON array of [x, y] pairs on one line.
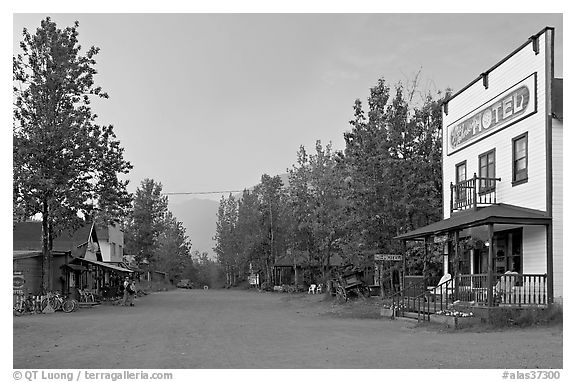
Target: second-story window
[[461, 177], [520, 159], [487, 171]]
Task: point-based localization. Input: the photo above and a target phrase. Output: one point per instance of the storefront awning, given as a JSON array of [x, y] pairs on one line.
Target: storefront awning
[[494, 214], [105, 265], [75, 267]]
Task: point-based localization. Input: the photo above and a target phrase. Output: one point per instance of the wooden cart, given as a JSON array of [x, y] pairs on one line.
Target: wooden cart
[[349, 283]]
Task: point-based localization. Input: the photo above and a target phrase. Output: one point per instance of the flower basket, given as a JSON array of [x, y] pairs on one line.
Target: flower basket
[[455, 319]]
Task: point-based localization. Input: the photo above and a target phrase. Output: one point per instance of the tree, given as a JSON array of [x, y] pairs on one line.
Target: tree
[[147, 222], [271, 198], [393, 159], [226, 248], [65, 165], [174, 248], [317, 202]]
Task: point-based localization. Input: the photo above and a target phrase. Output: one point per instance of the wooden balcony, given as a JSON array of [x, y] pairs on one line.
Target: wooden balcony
[[473, 193]]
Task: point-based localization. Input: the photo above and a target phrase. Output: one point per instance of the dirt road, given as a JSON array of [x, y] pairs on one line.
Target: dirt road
[[188, 329]]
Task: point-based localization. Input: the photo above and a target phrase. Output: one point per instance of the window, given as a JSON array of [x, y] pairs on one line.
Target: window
[[508, 249], [520, 159], [461, 177], [487, 169]]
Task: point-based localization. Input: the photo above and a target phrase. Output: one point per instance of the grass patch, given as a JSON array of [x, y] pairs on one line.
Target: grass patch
[[553, 315], [359, 308]]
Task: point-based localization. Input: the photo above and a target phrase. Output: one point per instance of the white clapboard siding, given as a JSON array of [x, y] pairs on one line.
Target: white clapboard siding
[[557, 199], [531, 194], [534, 250]]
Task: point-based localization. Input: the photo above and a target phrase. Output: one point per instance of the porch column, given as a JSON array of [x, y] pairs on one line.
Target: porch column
[[489, 273], [549, 264], [403, 267], [425, 267], [457, 265]]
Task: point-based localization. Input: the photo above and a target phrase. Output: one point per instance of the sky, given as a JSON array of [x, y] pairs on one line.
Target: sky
[[210, 102]]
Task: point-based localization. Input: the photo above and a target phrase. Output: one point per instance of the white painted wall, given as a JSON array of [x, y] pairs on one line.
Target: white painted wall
[[557, 209], [531, 194], [534, 249], [112, 248]]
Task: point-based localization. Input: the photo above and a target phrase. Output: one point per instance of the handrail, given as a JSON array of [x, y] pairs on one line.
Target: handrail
[[399, 296], [469, 193]]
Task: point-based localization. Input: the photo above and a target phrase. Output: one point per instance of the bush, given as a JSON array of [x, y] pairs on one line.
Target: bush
[[526, 317]]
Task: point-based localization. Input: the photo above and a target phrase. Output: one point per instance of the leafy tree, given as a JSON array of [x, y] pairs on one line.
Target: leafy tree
[[147, 222], [249, 232], [65, 165], [317, 202], [174, 249], [226, 239], [272, 198], [393, 158]]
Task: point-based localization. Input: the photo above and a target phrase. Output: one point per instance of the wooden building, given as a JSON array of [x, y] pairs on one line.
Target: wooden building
[[502, 182], [76, 261]]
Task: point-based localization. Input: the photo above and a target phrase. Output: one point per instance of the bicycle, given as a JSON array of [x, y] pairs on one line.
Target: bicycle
[[59, 302], [22, 306]]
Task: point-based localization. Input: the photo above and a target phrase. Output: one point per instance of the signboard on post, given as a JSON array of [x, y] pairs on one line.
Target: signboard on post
[[382, 257], [441, 239]]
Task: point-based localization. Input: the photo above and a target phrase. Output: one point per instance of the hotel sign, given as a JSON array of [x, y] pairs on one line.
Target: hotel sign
[[383, 257], [517, 102]]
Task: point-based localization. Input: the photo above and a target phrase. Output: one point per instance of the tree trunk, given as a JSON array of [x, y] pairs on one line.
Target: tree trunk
[[46, 255]]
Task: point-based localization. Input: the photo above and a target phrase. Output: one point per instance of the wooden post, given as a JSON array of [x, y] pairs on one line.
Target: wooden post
[[489, 273], [403, 267], [381, 278], [391, 275], [457, 265], [549, 265], [426, 254]]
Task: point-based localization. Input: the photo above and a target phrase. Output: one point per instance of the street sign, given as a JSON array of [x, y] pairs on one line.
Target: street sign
[[382, 257]]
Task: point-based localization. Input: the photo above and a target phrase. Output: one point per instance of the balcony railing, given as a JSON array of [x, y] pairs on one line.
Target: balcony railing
[[507, 289], [473, 193]]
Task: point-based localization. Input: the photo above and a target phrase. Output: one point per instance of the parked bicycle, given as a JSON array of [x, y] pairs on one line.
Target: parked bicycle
[[28, 305], [22, 306], [59, 302]]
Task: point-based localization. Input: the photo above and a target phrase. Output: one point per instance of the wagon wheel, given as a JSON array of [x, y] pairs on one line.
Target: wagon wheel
[[341, 294], [364, 291]]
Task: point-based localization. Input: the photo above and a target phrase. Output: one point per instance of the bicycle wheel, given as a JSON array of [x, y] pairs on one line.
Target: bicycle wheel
[[43, 304], [55, 303], [69, 306]]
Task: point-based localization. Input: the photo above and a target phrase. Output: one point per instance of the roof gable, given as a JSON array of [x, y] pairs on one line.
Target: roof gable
[[28, 236]]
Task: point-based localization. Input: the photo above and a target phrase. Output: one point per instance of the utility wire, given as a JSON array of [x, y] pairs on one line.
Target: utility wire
[[200, 192]]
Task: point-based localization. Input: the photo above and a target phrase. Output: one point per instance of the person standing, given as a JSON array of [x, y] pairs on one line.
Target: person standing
[[126, 295], [131, 292]]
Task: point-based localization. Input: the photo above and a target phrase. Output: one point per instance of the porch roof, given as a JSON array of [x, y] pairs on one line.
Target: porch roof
[[493, 214], [105, 265]]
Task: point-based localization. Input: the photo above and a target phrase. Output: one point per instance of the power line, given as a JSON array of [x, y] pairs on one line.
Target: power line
[[200, 192]]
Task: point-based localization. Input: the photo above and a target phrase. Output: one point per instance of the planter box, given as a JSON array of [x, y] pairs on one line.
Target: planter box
[[455, 322], [387, 313]]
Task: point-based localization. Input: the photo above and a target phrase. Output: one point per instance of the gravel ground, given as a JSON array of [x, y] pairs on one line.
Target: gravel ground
[[223, 329]]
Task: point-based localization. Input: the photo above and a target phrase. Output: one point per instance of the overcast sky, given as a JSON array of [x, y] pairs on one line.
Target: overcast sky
[[210, 102]]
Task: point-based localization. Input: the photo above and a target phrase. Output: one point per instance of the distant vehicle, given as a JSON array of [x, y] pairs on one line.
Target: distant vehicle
[[185, 283]]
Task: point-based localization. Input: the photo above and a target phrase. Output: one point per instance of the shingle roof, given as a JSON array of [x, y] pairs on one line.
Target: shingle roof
[[28, 236], [496, 214]]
